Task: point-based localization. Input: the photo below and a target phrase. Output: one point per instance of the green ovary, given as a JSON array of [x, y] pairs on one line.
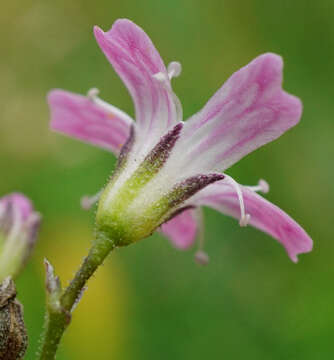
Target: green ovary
[[120, 222]]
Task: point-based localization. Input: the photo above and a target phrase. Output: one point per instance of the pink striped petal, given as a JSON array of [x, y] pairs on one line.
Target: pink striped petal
[[181, 229], [79, 117], [18, 201], [136, 60], [250, 110], [264, 215]]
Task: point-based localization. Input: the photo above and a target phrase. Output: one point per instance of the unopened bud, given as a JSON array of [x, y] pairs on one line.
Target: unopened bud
[[202, 258], [19, 225], [13, 334]]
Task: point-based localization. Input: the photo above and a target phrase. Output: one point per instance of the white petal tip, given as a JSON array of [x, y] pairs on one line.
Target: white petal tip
[[202, 258], [244, 221]]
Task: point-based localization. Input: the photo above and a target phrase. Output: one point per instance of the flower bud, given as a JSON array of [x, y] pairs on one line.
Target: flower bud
[[13, 335], [19, 224]]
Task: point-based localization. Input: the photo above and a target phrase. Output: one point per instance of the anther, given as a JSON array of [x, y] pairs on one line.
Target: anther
[[93, 93], [88, 201], [202, 258], [244, 221], [244, 218], [262, 186], [174, 69]]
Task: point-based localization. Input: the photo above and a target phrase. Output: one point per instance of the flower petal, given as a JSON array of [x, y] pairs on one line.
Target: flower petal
[[263, 215], [79, 117], [181, 229], [22, 205], [250, 110], [136, 60]]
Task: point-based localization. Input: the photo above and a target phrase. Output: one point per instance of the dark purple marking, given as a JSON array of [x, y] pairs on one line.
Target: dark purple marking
[[160, 153], [191, 186]]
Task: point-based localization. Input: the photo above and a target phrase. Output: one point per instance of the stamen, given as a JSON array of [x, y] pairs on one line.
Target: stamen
[[262, 186], [201, 257], [244, 221], [88, 201], [174, 69], [93, 93], [160, 76], [244, 218]]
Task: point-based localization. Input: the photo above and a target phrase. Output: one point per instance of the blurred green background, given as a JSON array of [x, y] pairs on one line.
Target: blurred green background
[[150, 301]]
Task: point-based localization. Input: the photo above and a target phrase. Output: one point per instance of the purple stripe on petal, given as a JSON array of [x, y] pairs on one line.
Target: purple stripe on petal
[[79, 117], [181, 229], [250, 110], [263, 215]]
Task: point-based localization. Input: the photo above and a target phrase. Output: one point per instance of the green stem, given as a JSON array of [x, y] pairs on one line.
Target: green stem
[[58, 318]]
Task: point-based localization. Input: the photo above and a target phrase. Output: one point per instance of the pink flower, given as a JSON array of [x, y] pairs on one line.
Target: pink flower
[[174, 167], [19, 224]]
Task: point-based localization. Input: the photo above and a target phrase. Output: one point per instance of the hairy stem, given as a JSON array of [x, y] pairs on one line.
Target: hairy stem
[[58, 317]]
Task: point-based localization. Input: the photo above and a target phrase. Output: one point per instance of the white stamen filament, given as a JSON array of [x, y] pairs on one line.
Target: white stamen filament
[[92, 95], [262, 186], [88, 201], [160, 77], [244, 218], [201, 257], [174, 70]]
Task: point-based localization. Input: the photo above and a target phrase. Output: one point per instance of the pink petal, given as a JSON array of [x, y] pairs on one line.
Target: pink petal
[[181, 229], [264, 216], [18, 201], [79, 117], [136, 60], [250, 110]]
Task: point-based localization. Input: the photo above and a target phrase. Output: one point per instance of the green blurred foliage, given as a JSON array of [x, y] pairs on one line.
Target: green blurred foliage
[[150, 301]]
